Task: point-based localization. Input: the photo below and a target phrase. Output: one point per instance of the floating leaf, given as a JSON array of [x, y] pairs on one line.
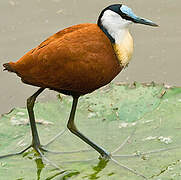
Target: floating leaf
[[107, 117]]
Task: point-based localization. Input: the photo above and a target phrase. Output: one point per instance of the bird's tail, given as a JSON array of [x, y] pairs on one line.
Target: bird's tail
[[7, 67]]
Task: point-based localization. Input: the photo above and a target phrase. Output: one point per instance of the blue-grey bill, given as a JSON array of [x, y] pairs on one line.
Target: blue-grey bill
[[145, 21]]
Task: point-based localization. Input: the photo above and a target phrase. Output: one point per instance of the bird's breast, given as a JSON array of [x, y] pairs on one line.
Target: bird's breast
[[124, 49]]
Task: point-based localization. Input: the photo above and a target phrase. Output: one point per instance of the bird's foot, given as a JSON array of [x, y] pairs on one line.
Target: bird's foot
[[17, 153], [114, 155], [54, 138], [64, 152], [137, 155], [39, 149], [44, 147], [110, 157], [127, 168]]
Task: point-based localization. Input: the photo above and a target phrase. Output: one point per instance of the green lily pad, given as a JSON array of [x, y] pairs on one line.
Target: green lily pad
[[108, 117]]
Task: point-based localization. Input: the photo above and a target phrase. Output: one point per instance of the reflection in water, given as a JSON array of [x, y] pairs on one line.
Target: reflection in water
[[97, 169], [38, 160], [64, 175], [40, 166]]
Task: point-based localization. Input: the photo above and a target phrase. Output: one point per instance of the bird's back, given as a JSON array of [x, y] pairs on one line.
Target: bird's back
[[79, 59]]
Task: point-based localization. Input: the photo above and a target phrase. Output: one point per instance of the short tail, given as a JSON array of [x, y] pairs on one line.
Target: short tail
[[7, 67]]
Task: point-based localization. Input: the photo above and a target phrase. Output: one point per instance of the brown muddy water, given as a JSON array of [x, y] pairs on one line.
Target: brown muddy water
[[24, 24]]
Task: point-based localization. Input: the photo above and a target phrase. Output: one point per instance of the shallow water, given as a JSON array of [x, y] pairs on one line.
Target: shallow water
[[24, 24]]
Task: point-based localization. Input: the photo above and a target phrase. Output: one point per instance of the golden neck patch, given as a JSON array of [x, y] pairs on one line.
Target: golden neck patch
[[124, 49]]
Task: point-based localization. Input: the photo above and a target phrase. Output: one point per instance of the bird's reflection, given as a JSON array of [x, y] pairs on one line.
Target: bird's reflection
[[97, 169], [65, 174], [40, 165]]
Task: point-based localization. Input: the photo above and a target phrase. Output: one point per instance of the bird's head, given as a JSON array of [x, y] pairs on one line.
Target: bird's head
[[123, 15], [117, 16]]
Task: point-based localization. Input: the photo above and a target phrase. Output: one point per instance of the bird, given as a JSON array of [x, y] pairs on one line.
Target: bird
[[78, 60]]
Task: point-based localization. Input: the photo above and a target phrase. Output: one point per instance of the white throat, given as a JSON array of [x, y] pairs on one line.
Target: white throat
[[116, 26]]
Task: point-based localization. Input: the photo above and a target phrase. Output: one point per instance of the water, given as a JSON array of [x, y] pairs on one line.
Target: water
[[24, 24]]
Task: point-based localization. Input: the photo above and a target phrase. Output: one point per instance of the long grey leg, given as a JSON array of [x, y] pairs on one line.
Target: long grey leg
[[35, 138], [72, 127], [30, 106]]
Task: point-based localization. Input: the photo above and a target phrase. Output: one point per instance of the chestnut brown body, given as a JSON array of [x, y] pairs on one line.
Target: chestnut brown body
[[78, 59]]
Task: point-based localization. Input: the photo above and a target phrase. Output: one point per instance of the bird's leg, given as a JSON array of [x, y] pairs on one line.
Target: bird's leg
[[43, 147], [35, 138], [30, 105], [105, 155], [72, 127]]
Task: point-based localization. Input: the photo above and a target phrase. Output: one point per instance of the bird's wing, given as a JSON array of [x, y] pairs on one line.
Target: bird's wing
[[70, 59]]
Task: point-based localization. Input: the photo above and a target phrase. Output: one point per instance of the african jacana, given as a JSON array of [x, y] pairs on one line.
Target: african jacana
[[78, 60]]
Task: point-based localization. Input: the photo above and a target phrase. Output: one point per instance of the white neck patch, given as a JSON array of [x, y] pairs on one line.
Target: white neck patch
[[115, 25]]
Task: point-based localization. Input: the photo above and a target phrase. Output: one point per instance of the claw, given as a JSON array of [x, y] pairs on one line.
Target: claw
[[54, 138], [18, 153], [129, 169], [69, 152]]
